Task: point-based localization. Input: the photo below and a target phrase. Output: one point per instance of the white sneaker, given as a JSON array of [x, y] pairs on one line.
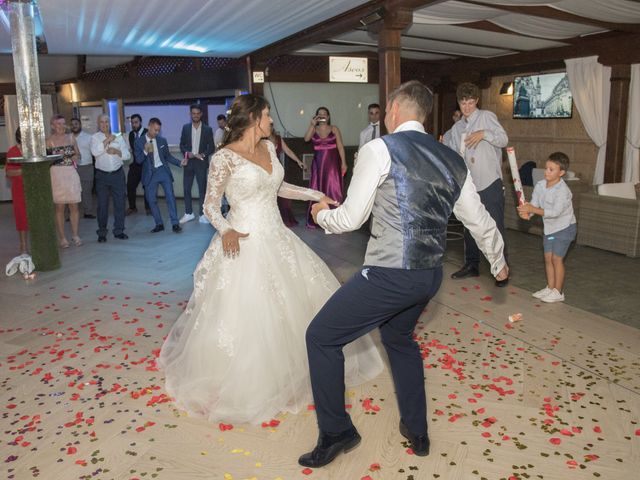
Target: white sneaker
[[203, 219], [187, 217], [554, 296], [541, 293]]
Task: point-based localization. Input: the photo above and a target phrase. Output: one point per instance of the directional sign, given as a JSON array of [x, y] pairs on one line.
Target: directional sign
[[348, 69]]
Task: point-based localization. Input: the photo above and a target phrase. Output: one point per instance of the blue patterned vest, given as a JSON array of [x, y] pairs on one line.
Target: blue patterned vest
[[413, 204]]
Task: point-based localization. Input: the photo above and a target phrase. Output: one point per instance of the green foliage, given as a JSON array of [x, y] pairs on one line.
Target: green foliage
[[40, 215]]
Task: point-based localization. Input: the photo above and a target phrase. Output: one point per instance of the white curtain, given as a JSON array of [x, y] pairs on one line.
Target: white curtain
[[632, 145], [623, 11], [590, 84], [542, 27], [454, 12]]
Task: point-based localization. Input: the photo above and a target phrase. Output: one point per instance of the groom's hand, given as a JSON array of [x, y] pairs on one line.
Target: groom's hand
[[317, 208]]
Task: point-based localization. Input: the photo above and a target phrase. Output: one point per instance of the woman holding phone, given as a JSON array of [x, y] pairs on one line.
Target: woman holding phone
[[329, 165]]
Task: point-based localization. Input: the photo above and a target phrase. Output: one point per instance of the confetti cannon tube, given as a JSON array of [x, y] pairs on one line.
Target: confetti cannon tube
[[515, 174]]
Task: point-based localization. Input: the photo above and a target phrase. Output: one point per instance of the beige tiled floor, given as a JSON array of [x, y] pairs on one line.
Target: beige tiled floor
[[556, 396]]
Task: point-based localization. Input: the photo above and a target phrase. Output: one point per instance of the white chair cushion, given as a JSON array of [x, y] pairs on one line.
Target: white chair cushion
[[620, 190], [537, 174]]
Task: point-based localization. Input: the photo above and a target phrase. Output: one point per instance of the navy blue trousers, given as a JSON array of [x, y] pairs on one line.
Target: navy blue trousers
[[492, 198], [392, 300], [161, 177], [110, 184], [195, 169]]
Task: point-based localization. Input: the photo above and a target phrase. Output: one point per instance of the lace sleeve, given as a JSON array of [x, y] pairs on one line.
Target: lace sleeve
[[294, 192], [219, 174]]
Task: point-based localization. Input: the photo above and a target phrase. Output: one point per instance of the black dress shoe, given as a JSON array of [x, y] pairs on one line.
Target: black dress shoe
[[176, 228], [157, 228], [329, 447], [102, 239], [88, 215], [502, 283], [122, 236], [419, 443], [131, 211], [466, 271]]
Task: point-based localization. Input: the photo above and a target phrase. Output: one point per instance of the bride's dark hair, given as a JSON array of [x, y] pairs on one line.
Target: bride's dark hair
[[245, 111]]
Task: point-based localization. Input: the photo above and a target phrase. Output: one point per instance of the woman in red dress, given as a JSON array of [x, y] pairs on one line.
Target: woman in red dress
[[14, 173]]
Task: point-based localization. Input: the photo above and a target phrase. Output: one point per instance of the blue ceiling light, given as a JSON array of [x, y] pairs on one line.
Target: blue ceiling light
[[189, 47]]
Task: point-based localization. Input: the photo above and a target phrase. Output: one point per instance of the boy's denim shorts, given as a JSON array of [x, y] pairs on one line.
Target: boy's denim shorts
[[558, 242]]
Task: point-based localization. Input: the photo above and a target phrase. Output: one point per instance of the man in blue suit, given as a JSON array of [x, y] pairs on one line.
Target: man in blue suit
[[196, 145], [152, 152]]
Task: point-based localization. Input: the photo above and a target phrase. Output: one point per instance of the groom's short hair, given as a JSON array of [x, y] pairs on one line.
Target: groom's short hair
[[414, 95]]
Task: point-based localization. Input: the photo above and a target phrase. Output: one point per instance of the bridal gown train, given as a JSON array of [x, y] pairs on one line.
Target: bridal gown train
[[237, 353]]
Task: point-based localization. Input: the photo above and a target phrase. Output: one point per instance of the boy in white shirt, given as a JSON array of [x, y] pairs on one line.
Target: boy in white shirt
[[551, 199]]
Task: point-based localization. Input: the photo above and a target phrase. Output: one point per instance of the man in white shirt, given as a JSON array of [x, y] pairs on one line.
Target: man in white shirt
[[410, 184], [110, 151], [196, 145], [479, 138], [372, 130], [85, 166], [152, 152], [218, 136], [134, 177]]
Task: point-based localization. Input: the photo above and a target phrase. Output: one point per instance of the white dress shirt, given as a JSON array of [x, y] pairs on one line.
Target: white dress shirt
[[83, 140], [373, 170], [485, 160], [556, 203], [366, 135], [136, 135], [195, 138], [106, 161], [156, 155], [218, 136]]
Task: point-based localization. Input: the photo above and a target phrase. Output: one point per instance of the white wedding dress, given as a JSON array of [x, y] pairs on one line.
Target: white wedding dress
[[237, 353]]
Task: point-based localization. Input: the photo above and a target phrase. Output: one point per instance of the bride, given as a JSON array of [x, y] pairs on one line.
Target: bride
[[237, 353]]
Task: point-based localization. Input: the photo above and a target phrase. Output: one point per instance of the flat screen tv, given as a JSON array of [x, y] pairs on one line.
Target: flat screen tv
[[542, 96]]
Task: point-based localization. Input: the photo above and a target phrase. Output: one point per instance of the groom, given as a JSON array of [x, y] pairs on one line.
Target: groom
[[410, 184]]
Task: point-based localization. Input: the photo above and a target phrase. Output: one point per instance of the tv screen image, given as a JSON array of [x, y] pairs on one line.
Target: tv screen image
[[542, 96]]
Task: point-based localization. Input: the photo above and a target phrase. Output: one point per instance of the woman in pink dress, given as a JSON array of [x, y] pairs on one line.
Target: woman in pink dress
[[329, 165], [65, 181]]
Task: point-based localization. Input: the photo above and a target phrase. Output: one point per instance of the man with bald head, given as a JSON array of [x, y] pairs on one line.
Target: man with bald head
[[410, 184], [110, 151]]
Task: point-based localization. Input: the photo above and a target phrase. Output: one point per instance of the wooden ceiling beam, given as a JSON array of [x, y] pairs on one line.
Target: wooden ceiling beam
[[82, 65], [610, 49], [322, 31], [337, 25], [555, 14]]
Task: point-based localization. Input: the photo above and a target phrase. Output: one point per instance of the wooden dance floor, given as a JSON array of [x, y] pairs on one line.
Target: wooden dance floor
[[555, 396]]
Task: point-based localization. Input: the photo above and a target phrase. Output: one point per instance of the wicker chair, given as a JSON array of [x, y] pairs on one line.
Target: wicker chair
[[609, 223]]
